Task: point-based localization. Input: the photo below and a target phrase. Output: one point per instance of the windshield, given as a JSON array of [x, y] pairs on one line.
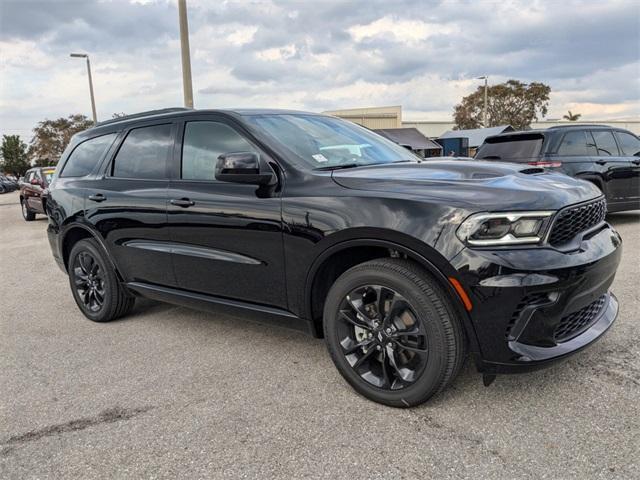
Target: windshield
[[327, 142], [48, 175]]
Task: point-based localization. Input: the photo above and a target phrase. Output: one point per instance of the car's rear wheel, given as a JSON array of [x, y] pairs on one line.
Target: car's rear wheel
[[392, 332], [94, 283], [27, 214]]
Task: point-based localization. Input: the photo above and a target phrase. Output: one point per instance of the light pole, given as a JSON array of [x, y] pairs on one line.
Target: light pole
[[93, 100], [484, 111], [186, 56]]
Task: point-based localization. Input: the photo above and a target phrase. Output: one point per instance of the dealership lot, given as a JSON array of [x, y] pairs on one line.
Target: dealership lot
[[173, 392]]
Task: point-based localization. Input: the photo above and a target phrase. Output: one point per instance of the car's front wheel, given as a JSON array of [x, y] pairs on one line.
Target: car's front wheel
[[392, 332], [94, 283], [27, 214]]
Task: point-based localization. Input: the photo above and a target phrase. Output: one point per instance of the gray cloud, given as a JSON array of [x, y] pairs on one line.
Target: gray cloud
[[587, 50]]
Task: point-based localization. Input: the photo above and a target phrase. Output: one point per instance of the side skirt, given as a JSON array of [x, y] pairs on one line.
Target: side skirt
[[199, 301]]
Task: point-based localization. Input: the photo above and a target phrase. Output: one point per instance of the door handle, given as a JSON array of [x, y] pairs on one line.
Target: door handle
[[636, 162], [182, 202], [97, 197], [601, 162]]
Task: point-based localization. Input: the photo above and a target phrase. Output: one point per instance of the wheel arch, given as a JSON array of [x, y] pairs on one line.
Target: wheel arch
[[329, 265], [75, 232]]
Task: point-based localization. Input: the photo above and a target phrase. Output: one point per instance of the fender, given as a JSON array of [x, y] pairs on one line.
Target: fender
[[426, 261], [596, 179], [64, 231]]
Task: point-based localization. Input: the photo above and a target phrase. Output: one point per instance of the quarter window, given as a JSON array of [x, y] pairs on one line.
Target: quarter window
[[574, 144], [203, 143], [144, 153], [85, 156], [605, 143], [629, 144]]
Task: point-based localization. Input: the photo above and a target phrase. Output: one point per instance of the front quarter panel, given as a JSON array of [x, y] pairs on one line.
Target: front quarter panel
[[317, 220]]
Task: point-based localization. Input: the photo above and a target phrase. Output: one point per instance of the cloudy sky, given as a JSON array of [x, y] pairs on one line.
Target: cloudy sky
[[315, 55]]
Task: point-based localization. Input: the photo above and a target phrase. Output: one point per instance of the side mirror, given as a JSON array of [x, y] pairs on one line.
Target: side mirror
[[242, 167]]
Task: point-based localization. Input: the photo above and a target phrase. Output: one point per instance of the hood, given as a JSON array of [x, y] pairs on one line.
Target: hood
[[476, 185]]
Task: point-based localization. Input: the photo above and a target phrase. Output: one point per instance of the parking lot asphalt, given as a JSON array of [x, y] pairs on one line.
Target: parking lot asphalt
[[174, 393]]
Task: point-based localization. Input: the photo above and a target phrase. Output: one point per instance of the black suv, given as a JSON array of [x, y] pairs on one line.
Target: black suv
[[607, 157], [403, 266]]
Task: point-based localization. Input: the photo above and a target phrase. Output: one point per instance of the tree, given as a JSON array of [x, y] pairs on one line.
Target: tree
[[51, 137], [511, 103], [14, 155], [572, 117]]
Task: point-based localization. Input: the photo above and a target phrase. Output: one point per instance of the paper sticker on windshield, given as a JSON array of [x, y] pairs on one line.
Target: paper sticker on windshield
[[320, 158]]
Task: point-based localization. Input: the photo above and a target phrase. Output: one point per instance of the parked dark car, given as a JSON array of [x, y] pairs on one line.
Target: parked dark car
[[34, 191], [607, 157], [7, 184], [404, 267]]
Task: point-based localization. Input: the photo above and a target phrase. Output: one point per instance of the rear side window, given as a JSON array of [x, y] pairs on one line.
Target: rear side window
[[629, 144], [605, 143], [575, 144], [85, 156], [520, 148], [144, 153], [203, 143]]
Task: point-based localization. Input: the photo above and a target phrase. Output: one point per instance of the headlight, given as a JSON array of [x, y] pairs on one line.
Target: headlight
[[510, 228]]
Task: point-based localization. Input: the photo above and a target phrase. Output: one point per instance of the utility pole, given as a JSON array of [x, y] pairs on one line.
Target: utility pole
[[484, 110], [186, 57], [93, 100]]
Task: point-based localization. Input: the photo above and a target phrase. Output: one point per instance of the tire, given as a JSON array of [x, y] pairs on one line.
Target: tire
[[92, 278], [404, 370], [27, 214]]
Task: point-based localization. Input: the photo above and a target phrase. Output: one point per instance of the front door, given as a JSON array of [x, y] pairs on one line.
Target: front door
[[33, 191], [630, 148], [227, 237], [618, 169]]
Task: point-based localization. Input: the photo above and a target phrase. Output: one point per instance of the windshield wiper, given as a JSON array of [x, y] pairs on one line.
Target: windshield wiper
[[339, 167]]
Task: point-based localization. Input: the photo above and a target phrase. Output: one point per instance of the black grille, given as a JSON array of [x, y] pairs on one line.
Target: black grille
[[574, 220], [576, 323]]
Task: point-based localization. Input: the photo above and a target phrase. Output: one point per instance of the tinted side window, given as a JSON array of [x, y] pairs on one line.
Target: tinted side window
[[144, 153], [203, 143], [629, 144], [574, 144], [86, 155], [605, 142]]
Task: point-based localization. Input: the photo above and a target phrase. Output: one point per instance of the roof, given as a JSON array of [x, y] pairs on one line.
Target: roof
[[476, 136], [178, 110], [408, 137], [578, 125]]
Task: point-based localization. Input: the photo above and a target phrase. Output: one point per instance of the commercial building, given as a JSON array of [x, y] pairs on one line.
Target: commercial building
[[391, 117]]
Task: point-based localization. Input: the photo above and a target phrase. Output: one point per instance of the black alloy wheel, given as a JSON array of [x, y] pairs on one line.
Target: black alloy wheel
[[393, 332], [89, 281], [382, 337], [94, 283]]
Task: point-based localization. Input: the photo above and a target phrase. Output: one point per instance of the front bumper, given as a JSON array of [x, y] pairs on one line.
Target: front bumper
[[535, 306]]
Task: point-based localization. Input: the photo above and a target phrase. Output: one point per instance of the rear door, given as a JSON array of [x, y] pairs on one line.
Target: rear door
[[127, 204], [227, 237], [617, 170]]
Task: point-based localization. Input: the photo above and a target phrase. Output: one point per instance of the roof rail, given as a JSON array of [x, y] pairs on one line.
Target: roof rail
[[576, 125], [141, 115]]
